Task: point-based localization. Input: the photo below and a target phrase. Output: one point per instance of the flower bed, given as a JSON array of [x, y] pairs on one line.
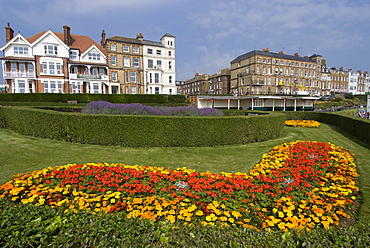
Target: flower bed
[[104, 107], [302, 123], [297, 185]]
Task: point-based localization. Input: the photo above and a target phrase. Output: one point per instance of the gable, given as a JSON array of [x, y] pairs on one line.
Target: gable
[[17, 40], [95, 50]]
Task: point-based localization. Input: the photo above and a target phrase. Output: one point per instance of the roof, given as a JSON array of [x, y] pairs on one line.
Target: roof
[[18, 58], [80, 42], [168, 35], [274, 55], [135, 41]]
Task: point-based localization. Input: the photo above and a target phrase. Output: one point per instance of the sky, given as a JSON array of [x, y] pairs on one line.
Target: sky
[[210, 33]]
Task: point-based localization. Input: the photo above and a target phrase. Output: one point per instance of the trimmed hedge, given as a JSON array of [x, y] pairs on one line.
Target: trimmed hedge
[[85, 98], [141, 131], [355, 126]]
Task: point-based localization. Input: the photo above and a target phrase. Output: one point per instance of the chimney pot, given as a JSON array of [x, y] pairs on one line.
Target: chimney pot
[[139, 36]]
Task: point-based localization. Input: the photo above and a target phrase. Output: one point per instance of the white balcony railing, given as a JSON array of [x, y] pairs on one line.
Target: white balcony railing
[[18, 74], [89, 77]]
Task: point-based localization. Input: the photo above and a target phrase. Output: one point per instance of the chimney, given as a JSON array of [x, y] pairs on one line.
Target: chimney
[[67, 35], [140, 36], [102, 41], [296, 54], [9, 33], [281, 52]]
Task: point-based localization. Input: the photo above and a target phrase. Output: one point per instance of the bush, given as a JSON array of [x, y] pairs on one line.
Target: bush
[[103, 107], [85, 98], [142, 131], [357, 127]]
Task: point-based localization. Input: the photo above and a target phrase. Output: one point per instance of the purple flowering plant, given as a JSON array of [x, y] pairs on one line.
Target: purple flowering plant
[[104, 107]]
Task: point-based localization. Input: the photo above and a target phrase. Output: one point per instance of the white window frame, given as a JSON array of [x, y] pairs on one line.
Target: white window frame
[[150, 63], [58, 86], [114, 76], [133, 90], [73, 55], [136, 62], [20, 50], [113, 60], [135, 50], [76, 87], [126, 61], [133, 76], [126, 49], [93, 56], [113, 47], [159, 64], [50, 50]]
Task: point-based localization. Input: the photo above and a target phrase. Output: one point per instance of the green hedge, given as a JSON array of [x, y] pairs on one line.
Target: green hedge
[[357, 127], [85, 98], [141, 131], [26, 225]]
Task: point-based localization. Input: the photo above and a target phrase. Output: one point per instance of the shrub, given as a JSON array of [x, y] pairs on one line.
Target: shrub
[[103, 107], [143, 130]]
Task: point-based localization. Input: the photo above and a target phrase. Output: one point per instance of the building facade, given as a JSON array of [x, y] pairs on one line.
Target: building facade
[[264, 72], [51, 62], [219, 83], [197, 85], [141, 66]]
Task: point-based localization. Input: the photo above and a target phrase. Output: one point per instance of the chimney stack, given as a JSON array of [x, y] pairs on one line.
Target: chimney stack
[[140, 36], [102, 41], [67, 35], [9, 33]]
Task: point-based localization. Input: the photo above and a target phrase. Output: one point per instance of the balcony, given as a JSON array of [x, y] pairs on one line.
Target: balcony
[[17, 74], [89, 77]]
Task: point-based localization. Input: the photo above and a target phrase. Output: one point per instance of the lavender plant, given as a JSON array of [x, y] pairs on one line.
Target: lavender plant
[[104, 107]]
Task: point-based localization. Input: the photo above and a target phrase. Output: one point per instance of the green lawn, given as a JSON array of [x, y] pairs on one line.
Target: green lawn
[[20, 154]]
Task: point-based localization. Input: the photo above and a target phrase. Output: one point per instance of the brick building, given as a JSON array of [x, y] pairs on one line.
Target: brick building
[[53, 62]]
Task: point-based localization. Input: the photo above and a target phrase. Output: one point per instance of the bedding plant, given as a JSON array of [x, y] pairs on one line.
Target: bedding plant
[[297, 185], [302, 123]]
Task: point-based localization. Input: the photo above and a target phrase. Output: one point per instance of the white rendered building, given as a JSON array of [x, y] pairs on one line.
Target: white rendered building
[[159, 66]]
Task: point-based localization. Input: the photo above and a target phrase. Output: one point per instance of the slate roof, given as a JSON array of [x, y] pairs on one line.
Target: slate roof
[[273, 55], [135, 41]]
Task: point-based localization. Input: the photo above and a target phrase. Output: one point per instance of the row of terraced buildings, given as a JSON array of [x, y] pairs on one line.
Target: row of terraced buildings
[[53, 62]]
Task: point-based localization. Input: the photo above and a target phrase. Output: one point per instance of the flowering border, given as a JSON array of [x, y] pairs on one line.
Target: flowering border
[[302, 123], [297, 185]]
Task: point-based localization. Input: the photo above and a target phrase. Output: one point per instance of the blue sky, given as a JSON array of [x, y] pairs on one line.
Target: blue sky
[[210, 33]]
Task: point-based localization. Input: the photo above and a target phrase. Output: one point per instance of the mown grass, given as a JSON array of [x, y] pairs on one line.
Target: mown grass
[[20, 154]]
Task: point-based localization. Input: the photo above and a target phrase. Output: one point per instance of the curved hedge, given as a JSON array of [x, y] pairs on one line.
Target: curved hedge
[[357, 127], [141, 131], [85, 98]]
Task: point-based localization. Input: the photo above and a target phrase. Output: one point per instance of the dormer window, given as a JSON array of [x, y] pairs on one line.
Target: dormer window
[[20, 50], [50, 50], [73, 55]]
